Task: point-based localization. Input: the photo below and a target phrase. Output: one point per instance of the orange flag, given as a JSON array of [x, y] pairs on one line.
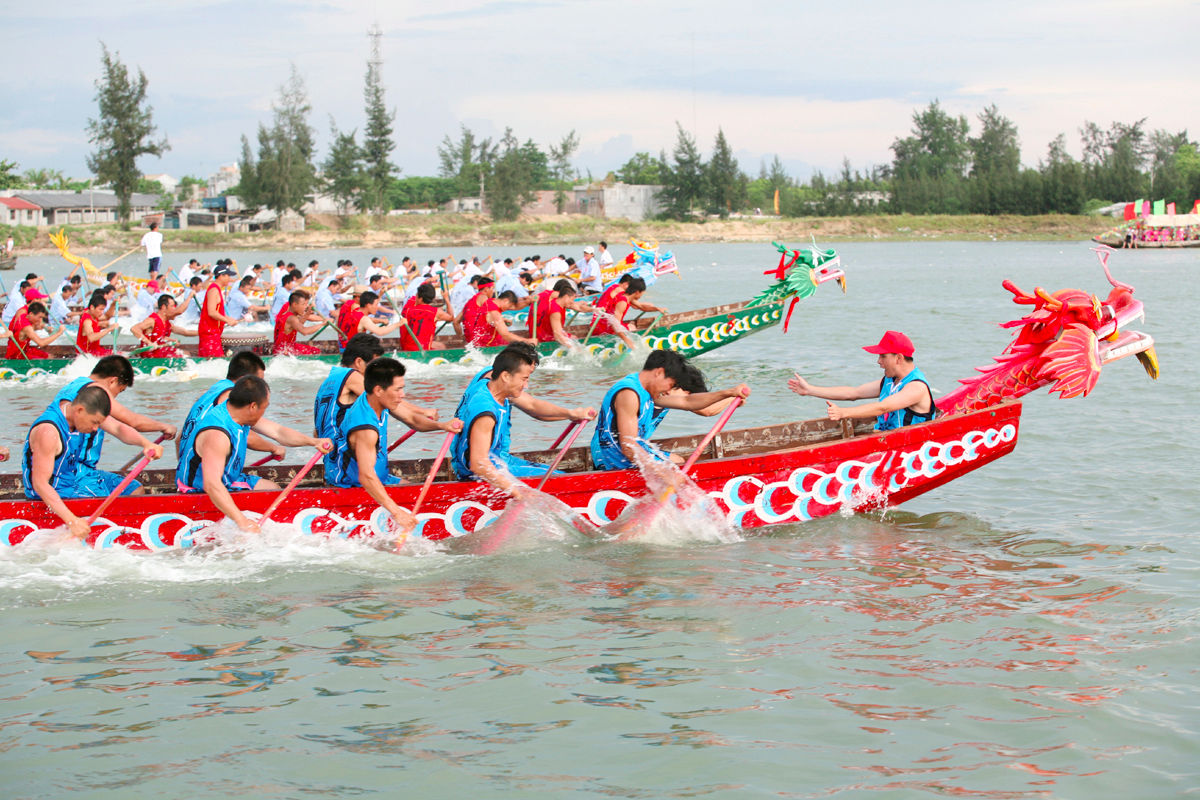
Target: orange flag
[[776, 201]]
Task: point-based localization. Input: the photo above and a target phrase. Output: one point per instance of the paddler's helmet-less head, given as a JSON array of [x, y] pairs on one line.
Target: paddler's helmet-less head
[[248, 400]]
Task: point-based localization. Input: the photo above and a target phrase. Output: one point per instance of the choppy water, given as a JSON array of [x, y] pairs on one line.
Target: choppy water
[[1028, 631]]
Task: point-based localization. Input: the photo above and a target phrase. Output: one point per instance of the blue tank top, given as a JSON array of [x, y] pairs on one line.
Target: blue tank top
[[189, 471], [479, 380], [65, 472], [903, 416], [206, 403], [328, 412], [359, 417], [92, 442], [479, 402], [606, 448]]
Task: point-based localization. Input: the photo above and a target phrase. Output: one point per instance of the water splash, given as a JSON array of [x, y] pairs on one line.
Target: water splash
[[675, 512]]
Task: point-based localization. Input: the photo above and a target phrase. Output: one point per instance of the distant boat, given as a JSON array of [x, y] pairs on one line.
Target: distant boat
[[8, 262], [1154, 231]]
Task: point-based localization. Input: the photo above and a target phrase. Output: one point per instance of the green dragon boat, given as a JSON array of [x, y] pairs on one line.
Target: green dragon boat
[[690, 333]]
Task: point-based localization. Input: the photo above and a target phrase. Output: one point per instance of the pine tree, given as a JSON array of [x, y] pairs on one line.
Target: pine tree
[[682, 181], [510, 186], [722, 177], [345, 172], [377, 143], [123, 132], [285, 174], [560, 159]]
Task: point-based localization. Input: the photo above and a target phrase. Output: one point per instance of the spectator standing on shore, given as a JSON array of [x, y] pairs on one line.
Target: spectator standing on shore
[[152, 241]]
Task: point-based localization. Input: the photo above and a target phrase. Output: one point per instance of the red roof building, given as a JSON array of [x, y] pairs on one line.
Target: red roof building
[[15, 211]]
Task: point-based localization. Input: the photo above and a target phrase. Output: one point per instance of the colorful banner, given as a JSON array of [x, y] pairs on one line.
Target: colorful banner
[[1160, 206], [1129, 212], [1143, 208], [1170, 208]]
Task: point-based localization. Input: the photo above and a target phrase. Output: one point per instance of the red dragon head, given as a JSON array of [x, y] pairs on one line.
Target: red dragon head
[[1065, 341]]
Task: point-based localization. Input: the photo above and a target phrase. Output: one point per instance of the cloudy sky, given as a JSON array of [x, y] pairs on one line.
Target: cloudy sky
[[811, 82]]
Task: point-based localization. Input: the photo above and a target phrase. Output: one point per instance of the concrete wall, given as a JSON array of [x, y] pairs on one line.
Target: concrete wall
[[635, 203], [21, 216]]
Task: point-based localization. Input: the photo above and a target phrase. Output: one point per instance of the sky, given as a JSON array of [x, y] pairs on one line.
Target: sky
[[810, 82]]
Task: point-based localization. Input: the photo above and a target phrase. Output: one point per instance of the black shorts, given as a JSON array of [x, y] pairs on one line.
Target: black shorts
[[154, 263]]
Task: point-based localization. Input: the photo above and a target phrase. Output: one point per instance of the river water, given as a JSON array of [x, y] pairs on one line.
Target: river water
[[1027, 631]]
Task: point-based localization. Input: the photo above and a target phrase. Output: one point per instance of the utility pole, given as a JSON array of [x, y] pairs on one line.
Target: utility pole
[[375, 34]]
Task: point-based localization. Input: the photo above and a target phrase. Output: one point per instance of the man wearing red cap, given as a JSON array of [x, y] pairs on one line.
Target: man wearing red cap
[[904, 396]]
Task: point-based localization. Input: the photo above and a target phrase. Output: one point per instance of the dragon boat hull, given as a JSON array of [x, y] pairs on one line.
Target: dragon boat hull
[[690, 333], [781, 474]]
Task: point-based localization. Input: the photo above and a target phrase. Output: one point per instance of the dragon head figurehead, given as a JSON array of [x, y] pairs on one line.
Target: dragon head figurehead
[[799, 274], [1064, 341]]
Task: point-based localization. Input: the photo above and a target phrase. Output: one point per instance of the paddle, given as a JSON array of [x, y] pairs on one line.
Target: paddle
[[401, 440], [266, 460], [595, 319], [117, 491], [563, 435], [299, 476], [578, 426], [653, 324], [133, 460], [661, 500], [141, 349], [437, 462], [323, 327], [118, 258]]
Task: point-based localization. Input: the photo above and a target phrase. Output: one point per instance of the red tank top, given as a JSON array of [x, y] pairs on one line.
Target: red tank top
[[91, 348], [422, 319], [348, 318], [545, 307], [161, 331], [16, 329], [478, 330], [607, 303], [211, 326], [283, 337]]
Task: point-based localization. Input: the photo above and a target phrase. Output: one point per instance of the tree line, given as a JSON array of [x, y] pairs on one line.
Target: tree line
[[939, 168]]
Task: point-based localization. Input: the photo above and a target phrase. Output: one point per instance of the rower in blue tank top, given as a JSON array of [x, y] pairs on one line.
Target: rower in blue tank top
[[360, 446], [114, 374], [481, 450], [212, 457], [341, 388], [52, 468], [635, 406], [244, 363], [903, 396]]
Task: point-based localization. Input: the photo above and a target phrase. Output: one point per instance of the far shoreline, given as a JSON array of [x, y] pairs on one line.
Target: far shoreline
[[442, 231]]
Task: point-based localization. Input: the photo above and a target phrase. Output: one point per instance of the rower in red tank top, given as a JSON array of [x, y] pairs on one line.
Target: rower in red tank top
[[629, 297], [289, 322], [549, 314], [92, 329], [422, 320], [212, 313], [157, 328], [23, 340]]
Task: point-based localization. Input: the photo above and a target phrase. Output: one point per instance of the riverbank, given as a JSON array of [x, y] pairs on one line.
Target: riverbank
[[470, 230]]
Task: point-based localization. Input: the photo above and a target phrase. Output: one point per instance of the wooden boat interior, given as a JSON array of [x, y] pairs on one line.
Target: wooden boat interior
[[727, 444]]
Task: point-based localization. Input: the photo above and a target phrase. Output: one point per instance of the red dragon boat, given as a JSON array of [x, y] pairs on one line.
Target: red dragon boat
[[786, 473]]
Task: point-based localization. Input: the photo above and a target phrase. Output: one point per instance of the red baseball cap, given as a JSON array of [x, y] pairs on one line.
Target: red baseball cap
[[33, 293], [893, 342]]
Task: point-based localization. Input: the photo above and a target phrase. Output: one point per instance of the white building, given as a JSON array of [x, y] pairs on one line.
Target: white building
[[169, 184]]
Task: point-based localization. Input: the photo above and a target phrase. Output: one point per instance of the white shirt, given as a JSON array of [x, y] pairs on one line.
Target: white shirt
[[11, 310], [461, 293], [324, 302], [500, 270], [186, 274], [152, 241], [589, 274], [192, 312], [281, 300], [606, 259], [59, 310], [555, 266]]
